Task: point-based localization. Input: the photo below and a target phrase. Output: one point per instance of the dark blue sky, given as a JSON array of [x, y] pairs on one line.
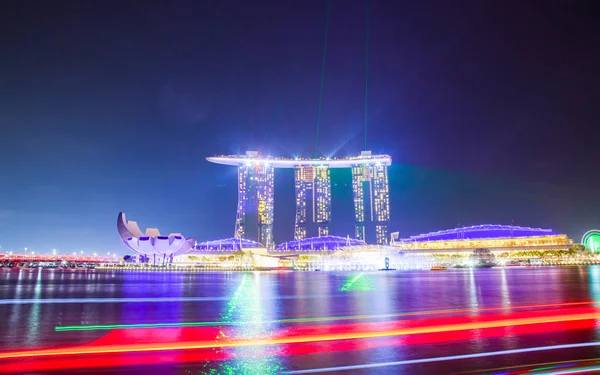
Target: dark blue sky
[[490, 110]]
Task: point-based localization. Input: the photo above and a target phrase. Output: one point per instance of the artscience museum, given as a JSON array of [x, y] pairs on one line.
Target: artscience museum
[[151, 246]]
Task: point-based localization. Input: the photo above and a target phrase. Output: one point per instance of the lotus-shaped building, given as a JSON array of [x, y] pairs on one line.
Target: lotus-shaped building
[[151, 245]]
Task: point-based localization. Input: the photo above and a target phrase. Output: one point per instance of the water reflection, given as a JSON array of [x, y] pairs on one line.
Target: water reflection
[[33, 323], [594, 280], [246, 306], [504, 291], [358, 282], [14, 323], [472, 289]]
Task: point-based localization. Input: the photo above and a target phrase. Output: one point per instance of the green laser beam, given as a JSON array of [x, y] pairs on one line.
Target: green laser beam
[[366, 72], [353, 285], [327, 11]]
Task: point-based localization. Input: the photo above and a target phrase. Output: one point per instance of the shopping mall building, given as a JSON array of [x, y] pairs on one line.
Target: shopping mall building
[[496, 238]]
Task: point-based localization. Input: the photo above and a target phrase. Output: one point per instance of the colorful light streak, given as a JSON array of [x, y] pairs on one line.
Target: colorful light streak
[[446, 358], [189, 334], [584, 370], [315, 319], [30, 301], [541, 367], [436, 338], [122, 360], [340, 334]]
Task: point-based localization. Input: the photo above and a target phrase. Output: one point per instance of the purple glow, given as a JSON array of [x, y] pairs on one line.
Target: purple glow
[[320, 243], [480, 231], [227, 244]]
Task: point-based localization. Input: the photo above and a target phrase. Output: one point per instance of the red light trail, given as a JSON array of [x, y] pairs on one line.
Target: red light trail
[[317, 319], [299, 335]]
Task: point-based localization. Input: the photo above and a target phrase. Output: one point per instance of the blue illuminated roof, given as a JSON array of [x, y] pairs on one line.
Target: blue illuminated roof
[[480, 231], [320, 243], [227, 244]]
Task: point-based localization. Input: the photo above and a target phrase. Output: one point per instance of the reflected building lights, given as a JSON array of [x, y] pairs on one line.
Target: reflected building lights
[[505, 291], [245, 307], [33, 326], [472, 291]]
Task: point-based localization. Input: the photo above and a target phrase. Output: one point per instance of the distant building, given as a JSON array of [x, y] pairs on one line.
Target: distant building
[[370, 188], [254, 218], [320, 244], [498, 238], [151, 246]]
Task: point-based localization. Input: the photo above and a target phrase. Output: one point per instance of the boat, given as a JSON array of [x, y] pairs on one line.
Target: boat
[[439, 268]]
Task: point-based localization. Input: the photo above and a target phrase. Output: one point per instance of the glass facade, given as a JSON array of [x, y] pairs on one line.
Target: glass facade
[[370, 189], [313, 201], [254, 219]]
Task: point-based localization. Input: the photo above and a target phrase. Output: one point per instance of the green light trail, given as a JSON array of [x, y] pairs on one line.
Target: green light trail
[[308, 320], [327, 11]]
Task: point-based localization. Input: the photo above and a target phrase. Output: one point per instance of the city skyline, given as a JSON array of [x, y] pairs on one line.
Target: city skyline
[[485, 110]]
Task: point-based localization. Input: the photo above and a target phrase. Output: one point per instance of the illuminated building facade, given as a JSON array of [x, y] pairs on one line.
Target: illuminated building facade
[[313, 201], [320, 244], [151, 245], [492, 237], [254, 218], [370, 189]]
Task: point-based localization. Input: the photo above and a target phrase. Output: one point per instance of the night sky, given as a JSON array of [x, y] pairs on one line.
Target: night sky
[[490, 110]]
